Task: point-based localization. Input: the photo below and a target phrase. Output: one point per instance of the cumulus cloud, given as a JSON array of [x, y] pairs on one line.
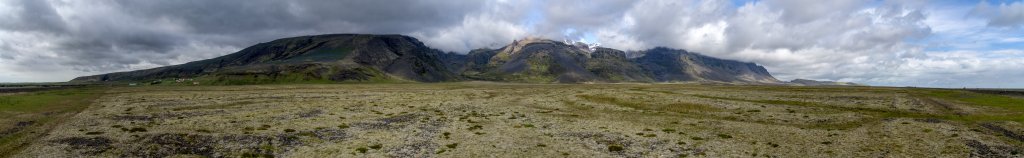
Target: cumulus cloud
[[89, 37], [849, 40], [1002, 15], [494, 27], [475, 32], [791, 39], [572, 18], [802, 11], [999, 69]]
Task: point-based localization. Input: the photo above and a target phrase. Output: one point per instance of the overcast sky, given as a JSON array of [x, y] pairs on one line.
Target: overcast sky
[[886, 43]]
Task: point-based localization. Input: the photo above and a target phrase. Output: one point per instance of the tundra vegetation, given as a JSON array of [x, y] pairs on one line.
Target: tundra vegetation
[[482, 119]]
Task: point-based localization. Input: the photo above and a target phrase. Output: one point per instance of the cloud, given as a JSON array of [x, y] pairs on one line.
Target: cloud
[[792, 41], [31, 16], [856, 41], [960, 69], [579, 16], [90, 37], [1003, 15], [890, 42], [493, 28], [475, 32], [802, 11]]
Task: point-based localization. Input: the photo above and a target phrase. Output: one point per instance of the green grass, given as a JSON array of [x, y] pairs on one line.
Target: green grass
[[877, 114], [46, 109], [318, 74], [981, 118], [777, 102], [1005, 108], [218, 106], [47, 101], [991, 100], [299, 77], [1013, 108], [639, 104], [697, 110]]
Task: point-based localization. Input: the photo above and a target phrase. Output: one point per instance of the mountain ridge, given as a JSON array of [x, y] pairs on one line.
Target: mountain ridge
[[365, 57]]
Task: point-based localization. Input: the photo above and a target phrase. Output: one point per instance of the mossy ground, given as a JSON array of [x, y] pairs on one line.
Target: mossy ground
[[27, 117], [479, 119]]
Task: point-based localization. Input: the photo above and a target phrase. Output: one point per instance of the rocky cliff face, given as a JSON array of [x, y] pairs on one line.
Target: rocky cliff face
[[539, 60], [533, 60], [668, 65], [354, 57]]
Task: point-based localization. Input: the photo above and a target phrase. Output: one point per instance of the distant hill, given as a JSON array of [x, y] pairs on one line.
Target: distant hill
[[398, 58]]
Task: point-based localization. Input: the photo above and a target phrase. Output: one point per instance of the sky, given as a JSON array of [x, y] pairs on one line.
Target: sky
[[925, 43]]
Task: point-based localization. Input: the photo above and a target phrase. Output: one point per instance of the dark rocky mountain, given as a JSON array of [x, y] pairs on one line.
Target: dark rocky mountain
[[532, 60], [336, 57], [679, 65], [355, 57], [540, 60]]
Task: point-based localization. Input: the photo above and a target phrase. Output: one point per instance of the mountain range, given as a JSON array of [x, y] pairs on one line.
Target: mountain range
[[399, 58]]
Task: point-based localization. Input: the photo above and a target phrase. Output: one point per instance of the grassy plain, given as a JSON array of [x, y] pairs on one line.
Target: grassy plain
[[28, 116], [477, 119]]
